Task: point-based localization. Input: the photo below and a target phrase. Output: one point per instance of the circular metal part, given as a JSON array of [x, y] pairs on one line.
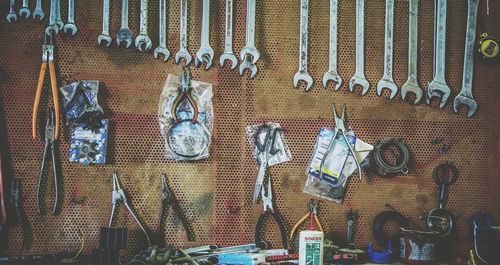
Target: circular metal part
[[445, 174], [391, 156], [440, 221], [489, 47]]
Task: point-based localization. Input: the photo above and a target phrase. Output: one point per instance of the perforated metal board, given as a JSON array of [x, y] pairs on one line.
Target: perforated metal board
[[216, 192]]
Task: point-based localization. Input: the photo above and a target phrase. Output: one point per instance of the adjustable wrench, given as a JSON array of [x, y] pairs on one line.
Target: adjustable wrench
[[70, 26], [411, 84], [38, 12], [183, 52], [205, 53], [302, 73], [228, 42], [387, 80], [59, 22], [104, 36], [52, 27], [249, 55], [143, 39], [162, 46], [438, 86], [332, 73], [124, 34], [12, 16], [25, 10], [359, 75], [465, 96]]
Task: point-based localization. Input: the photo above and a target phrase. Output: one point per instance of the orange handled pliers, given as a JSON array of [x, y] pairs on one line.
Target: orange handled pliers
[[47, 59]]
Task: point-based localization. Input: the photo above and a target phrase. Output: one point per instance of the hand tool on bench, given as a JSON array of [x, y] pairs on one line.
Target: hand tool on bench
[[49, 149], [312, 214], [47, 59], [16, 201], [119, 196]]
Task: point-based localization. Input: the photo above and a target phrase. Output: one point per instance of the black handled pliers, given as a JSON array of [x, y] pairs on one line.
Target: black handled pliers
[[15, 200]]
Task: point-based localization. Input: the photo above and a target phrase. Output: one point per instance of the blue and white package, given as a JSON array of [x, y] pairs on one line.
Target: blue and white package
[[89, 146]]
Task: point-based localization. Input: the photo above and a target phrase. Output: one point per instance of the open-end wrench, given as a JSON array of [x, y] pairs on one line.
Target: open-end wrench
[[25, 10], [142, 41], [59, 22], [411, 84], [70, 26], [183, 52], [387, 81], [104, 36], [249, 55], [302, 74], [465, 96], [12, 16], [124, 34], [52, 27], [359, 76], [38, 12], [438, 87], [228, 42], [162, 45], [205, 53], [332, 73]]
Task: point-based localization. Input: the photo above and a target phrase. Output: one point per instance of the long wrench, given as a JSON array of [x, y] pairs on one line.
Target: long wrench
[[70, 27], [59, 22], [104, 36], [12, 16], [228, 39], [38, 12], [411, 84], [124, 34], [465, 96], [142, 41], [249, 55], [332, 73], [359, 76], [387, 81], [438, 86], [25, 10], [162, 46], [183, 52], [205, 53], [302, 74], [52, 27]]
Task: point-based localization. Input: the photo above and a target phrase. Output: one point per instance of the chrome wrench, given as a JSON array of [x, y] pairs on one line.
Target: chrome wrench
[[104, 36], [438, 86], [25, 10], [142, 41], [59, 22], [228, 42], [249, 55], [183, 52], [70, 27], [411, 84], [359, 76], [124, 34], [52, 27], [205, 53], [38, 12], [387, 80], [162, 46], [332, 73], [465, 96], [12, 16], [302, 74]]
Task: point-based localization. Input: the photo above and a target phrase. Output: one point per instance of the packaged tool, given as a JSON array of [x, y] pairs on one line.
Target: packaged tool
[[88, 146], [80, 102]]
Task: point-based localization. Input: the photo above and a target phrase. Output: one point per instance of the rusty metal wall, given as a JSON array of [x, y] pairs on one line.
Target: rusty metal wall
[[216, 192]]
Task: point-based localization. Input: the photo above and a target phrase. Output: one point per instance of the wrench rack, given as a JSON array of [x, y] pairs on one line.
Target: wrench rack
[[216, 193]]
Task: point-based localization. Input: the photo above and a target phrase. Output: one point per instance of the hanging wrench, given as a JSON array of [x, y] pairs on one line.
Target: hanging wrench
[[438, 86], [465, 96], [228, 42], [387, 80], [25, 10], [124, 34], [302, 74], [183, 52], [143, 39], [12, 16], [332, 73], [249, 55], [205, 53], [70, 27], [162, 46], [38, 12], [359, 75], [59, 22], [411, 84], [52, 27], [104, 36]]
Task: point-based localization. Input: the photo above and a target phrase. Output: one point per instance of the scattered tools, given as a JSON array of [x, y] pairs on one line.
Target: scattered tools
[[359, 76], [268, 209], [162, 32], [205, 53], [49, 149], [124, 34], [302, 74], [104, 37], [332, 73], [411, 84], [119, 196], [3, 211], [312, 214], [47, 59], [387, 80], [465, 96], [228, 54], [12, 15], [249, 55], [142, 41], [183, 52], [16, 201]]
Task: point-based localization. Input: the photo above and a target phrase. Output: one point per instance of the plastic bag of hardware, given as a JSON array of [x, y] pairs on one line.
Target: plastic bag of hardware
[[88, 146], [186, 120], [279, 152], [80, 101]]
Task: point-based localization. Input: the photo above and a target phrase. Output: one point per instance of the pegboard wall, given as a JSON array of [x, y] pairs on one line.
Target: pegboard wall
[[216, 193]]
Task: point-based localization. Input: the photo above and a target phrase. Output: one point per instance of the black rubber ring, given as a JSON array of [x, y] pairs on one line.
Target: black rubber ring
[[379, 222]]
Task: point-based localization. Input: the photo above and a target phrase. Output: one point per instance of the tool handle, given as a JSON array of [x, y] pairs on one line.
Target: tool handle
[[2, 196], [184, 220], [38, 96], [55, 97]]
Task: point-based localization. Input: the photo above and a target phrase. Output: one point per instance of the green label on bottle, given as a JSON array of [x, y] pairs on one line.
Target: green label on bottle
[[313, 253]]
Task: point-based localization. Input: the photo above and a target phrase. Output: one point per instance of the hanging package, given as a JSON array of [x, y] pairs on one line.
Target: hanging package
[[80, 101]]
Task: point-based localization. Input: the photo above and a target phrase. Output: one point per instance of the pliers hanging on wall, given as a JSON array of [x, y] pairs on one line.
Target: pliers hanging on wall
[[185, 94], [119, 196], [312, 215], [47, 59], [50, 147], [16, 201]]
